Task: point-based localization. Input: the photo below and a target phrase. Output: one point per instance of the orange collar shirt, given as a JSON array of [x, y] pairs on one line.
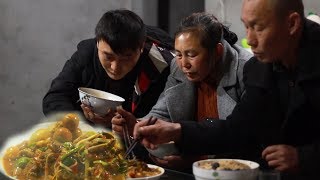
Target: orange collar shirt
[[207, 102]]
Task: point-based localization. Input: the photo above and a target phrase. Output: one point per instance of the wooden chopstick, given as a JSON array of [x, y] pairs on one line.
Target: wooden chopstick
[[151, 121]]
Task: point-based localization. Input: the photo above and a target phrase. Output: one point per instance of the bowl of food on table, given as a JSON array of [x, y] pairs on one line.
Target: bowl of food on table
[[100, 101], [138, 170], [69, 148], [223, 169], [165, 149]]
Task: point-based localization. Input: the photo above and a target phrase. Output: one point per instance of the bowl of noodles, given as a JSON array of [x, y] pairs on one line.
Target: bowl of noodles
[[64, 149], [138, 170], [223, 169]]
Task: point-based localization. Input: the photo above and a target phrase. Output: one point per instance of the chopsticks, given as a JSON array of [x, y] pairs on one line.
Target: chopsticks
[[151, 121], [127, 138]]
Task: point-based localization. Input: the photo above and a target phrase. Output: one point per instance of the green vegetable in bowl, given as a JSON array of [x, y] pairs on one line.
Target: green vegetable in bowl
[[22, 162]]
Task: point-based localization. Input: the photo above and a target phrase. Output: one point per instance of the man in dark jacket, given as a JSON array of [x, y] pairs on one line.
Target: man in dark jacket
[[125, 58], [278, 116]]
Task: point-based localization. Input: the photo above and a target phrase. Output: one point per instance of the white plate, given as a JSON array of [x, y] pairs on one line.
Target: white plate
[[155, 177], [17, 139]]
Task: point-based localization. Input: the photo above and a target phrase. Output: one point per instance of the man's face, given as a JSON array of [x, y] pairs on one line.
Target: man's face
[[117, 65], [191, 57], [267, 34]]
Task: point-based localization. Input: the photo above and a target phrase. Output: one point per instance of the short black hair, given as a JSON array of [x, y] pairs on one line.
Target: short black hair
[[283, 7], [122, 30]]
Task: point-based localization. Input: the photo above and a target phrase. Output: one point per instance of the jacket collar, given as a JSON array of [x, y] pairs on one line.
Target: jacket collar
[[156, 60], [230, 65]]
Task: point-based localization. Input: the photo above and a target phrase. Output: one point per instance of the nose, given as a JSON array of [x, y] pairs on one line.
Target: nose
[[252, 38], [115, 65], [185, 62]]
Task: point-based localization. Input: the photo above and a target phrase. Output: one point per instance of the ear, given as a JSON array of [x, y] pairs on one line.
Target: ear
[[294, 20], [142, 47], [219, 50]]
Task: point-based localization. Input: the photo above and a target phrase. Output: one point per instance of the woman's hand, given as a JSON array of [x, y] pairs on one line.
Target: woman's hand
[[282, 157], [123, 117], [97, 119]]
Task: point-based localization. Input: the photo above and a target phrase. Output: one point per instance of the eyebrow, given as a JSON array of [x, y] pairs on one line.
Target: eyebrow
[[108, 53], [116, 55], [250, 22], [186, 51]]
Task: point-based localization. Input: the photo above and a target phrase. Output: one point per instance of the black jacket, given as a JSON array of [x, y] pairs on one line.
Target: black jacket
[[84, 70], [266, 115]]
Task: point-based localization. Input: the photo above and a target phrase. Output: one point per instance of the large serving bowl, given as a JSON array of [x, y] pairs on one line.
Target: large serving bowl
[[100, 101], [155, 177], [59, 131], [165, 149], [211, 174]]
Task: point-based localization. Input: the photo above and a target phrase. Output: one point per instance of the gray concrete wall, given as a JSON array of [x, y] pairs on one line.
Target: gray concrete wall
[[36, 38], [180, 9], [229, 12]]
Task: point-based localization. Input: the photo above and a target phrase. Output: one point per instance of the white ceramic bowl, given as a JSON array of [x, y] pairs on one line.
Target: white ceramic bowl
[[156, 177], [210, 174], [100, 101], [165, 149]]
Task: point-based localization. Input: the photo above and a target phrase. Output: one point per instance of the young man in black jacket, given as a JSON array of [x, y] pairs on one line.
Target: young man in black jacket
[[278, 116], [125, 58]]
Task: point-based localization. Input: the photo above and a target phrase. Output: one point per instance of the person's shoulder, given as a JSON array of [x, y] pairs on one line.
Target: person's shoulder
[[85, 52], [158, 54], [176, 72], [257, 73], [173, 66], [86, 48], [243, 54], [254, 63], [160, 37], [311, 34], [87, 44]]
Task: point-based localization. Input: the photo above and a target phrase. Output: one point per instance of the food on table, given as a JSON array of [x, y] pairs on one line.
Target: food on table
[[64, 151], [223, 165], [138, 169]]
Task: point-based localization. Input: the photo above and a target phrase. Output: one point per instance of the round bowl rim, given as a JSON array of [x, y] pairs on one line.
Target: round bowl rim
[[80, 90], [149, 177], [172, 151], [194, 165]]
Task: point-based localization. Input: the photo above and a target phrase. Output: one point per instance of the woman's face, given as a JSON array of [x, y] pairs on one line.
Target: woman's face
[[191, 57]]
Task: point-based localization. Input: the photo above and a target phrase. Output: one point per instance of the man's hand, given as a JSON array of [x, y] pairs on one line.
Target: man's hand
[[282, 157], [123, 117], [95, 118], [161, 132]]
